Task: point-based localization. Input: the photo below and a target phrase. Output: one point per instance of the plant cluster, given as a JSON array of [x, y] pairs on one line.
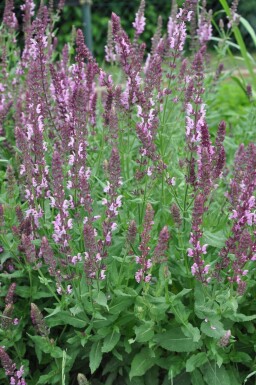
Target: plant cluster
[[127, 241]]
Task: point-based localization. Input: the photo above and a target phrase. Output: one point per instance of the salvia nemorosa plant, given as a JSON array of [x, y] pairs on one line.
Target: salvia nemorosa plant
[[127, 241]]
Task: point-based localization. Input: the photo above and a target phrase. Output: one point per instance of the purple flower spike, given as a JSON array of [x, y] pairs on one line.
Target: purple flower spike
[[140, 20]]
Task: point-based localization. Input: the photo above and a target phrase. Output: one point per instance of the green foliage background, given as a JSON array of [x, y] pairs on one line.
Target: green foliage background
[[102, 9], [101, 12]]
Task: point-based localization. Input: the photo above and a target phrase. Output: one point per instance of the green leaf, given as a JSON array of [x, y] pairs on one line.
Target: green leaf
[[199, 294], [191, 331], [213, 328], [239, 357], [102, 323], [242, 317], [110, 341], [182, 293], [249, 376], [5, 256], [119, 304], [117, 355], [175, 340], [26, 291], [44, 379], [95, 356], [158, 312], [44, 344], [182, 379], [213, 375], [119, 259], [217, 239], [234, 376], [229, 308], [141, 363], [181, 312], [197, 378], [144, 332], [249, 29], [195, 361], [101, 299], [205, 312], [63, 318]]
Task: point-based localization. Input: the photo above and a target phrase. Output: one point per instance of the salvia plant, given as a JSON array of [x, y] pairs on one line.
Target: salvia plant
[[127, 220]]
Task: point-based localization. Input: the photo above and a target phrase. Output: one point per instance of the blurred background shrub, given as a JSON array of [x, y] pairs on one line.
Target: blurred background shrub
[[102, 9]]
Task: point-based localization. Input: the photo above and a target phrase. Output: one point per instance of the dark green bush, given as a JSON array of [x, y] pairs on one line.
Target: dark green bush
[[101, 12]]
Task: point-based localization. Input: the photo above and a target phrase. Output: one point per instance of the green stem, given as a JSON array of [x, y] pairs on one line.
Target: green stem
[[48, 286], [241, 43]]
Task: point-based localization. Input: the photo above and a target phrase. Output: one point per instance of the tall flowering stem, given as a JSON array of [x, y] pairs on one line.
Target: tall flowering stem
[[204, 31], [10, 294], [140, 20], [9, 17], [162, 245], [143, 261], [62, 221], [114, 201], [93, 266], [241, 243], [110, 55], [38, 321], [177, 27], [15, 375], [199, 269]]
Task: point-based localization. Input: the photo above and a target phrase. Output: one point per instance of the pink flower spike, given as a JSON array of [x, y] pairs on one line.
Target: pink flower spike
[[148, 278], [189, 15], [234, 215], [194, 269], [204, 249], [107, 188], [74, 260], [180, 13], [119, 201], [102, 274], [70, 223], [20, 372], [148, 264], [22, 169], [69, 184], [251, 202], [138, 275], [113, 226], [52, 203], [69, 289], [59, 289], [108, 237], [206, 269], [140, 20], [149, 171]]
